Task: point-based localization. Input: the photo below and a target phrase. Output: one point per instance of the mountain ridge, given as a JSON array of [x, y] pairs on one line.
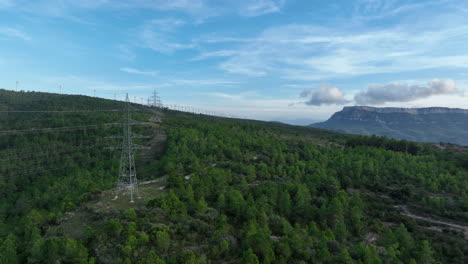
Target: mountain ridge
[[430, 124], [424, 110]]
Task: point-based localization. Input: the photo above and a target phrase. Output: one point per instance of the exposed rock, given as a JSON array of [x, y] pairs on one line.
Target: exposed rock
[[433, 124]]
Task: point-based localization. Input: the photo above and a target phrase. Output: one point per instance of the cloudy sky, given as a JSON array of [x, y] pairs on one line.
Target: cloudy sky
[[295, 61]]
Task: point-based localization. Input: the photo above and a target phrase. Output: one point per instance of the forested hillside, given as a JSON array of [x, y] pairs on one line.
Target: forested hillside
[[229, 191]]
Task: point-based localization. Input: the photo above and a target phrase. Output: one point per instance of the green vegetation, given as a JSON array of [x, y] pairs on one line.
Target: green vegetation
[[237, 191]]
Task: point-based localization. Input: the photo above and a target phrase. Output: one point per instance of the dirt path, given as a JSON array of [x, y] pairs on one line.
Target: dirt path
[[444, 222]]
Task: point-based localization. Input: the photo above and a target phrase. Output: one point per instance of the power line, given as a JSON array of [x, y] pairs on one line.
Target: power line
[[36, 162], [62, 155], [40, 147], [48, 148], [60, 111], [44, 152], [29, 172], [46, 166], [52, 129]]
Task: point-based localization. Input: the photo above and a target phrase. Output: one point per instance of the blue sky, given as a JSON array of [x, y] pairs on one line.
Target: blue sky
[[296, 61]]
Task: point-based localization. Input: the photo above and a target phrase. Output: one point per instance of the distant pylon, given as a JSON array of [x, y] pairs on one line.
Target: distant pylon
[[154, 100], [127, 173]]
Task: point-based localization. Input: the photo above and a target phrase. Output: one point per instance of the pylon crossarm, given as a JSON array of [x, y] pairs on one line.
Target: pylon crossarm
[[139, 123], [139, 136], [111, 137], [132, 136], [114, 147], [130, 123], [135, 146]]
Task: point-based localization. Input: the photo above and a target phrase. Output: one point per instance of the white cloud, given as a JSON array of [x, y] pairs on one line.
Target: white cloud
[[140, 72], [202, 82], [325, 95], [378, 94], [210, 8], [260, 7], [14, 33], [308, 52], [381, 9], [239, 96], [54, 8], [214, 54], [166, 24], [225, 95], [374, 6], [84, 85], [158, 34], [237, 66], [222, 39], [199, 10]]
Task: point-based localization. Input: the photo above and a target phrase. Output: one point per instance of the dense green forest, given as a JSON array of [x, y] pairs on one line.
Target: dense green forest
[[235, 191]]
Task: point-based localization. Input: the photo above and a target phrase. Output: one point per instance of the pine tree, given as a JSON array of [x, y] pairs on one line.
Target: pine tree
[[163, 240], [8, 253], [392, 255], [131, 214], [345, 258], [249, 257], [425, 253], [372, 256], [152, 258]]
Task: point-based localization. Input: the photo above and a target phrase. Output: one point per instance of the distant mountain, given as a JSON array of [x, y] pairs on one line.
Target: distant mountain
[[433, 124]]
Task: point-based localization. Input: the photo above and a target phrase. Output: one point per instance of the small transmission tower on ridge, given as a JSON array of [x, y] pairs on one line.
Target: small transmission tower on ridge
[[154, 100], [127, 173]]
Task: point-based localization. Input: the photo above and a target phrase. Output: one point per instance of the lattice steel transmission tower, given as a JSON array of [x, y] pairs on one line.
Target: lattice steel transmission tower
[[127, 173], [154, 100]]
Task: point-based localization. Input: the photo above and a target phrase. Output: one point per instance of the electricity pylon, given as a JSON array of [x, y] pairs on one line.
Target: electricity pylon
[[154, 100], [127, 173]]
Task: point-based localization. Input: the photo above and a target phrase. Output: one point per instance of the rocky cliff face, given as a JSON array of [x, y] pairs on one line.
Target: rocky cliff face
[[413, 111], [433, 124]]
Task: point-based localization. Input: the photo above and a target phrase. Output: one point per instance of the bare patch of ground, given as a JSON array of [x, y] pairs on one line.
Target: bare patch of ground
[[98, 210], [437, 222], [107, 202]]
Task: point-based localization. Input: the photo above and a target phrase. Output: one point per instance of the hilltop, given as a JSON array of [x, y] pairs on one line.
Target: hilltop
[[433, 124], [221, 190]]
